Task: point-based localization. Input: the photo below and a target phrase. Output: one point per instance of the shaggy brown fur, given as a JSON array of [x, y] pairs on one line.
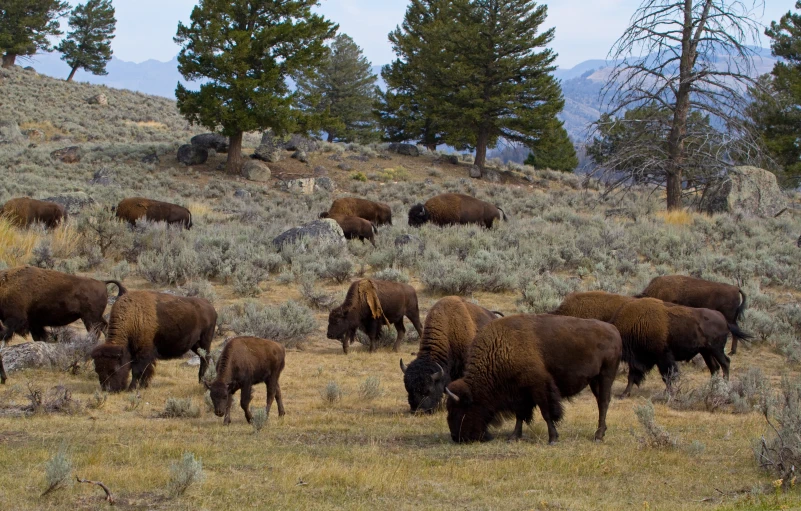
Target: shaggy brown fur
[[33, 298], [598, 305], [244, 362], [693, 292], [134, 208], [146, 326], [25, 211], [450, 327], [355, 227], [658, 333], [455, 208], [376, 212], [523, 361], [371, 304]]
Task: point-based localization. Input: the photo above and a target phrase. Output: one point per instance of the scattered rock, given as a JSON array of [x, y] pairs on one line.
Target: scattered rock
[[61, 354], [70, 154], [301, 156], [34, 134], [192, 155], [270, 149], [301, 143], [335, 157], [73, 202], [359, 157], [407, 149], [98, 99], [151, 159], [325, 183], [345, 166], [215, 141], [749, 190], [452, 159], [242, 194], [320, 171], [325, 231], [102, 177], [254, 170], [475, 172], [302, 186], [410, 239], [428, 181], [10, 133]]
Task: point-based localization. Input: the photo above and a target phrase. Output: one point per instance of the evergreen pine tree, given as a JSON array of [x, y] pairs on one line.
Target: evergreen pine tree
[[341, 91], [25, 26], [88, 45], [553, 150], [245, 50]]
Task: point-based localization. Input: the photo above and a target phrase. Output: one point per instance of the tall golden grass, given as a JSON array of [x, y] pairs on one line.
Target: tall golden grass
[[17, 244], [677, 217]]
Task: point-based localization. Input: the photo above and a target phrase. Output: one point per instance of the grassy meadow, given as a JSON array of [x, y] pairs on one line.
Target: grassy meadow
[[348, 440]]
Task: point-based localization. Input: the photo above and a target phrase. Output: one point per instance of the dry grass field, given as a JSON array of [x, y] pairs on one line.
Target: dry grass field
[[347, 440]]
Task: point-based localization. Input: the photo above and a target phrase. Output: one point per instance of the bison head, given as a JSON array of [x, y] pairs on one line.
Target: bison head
[[468, 421], [324, 214], [220, 394], [425, 383], [112, 365], [418, 215], [338, 324]]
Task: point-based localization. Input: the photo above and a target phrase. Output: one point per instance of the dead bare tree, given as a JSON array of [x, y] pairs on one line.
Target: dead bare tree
[[685, 57]]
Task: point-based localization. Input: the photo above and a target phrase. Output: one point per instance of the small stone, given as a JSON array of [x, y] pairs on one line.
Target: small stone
[[10, 133], [70, 154]]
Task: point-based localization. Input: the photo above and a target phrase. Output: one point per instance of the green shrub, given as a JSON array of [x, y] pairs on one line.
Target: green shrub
[[177, 408], [185, 473], [58, 472], [370, 388], [331, 393], [290, 323]]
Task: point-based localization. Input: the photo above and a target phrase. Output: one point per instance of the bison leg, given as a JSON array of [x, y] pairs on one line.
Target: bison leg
[[723, 360], [711, 362], [733, 350], [11, 326], [205, 344], [38, 333], [244, 400], [414, 317], [141, 372], [601, 387], [2, 369], [517, 433], [548, 400], [274, 392], [399, 326], [227, 419], [279, 400], [669, 371]]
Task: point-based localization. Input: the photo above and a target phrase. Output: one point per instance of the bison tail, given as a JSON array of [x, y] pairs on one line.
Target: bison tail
[[741, 308], [375, 229], [503, 214], [557, 411], [121, 290], [739, 334]]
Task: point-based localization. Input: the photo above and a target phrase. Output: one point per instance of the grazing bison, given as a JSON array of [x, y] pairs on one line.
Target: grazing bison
[[523, 361], [598, 305], [134, 208], [450, 327], [455, 208], [33, 298], [355, 227], [692, 292], [371, 304], [244, 362], [146, 326], [25, 211], [375, 212], [656, 333]]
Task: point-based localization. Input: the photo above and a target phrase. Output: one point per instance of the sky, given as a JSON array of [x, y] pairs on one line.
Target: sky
[[585, 29]]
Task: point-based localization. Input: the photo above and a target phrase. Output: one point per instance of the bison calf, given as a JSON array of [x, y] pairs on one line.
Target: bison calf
[[371, 304], [376, 212], [523, 361], [356, 228], [134, 208], [455, 208], [244, 362], [25, 211], [146, 326]]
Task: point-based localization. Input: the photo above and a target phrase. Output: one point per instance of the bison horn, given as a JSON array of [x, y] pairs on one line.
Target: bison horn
[[451, 394], [403, 366], [438, 375]]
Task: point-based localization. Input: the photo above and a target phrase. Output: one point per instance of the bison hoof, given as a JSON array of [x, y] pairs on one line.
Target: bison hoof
[[514, 438]]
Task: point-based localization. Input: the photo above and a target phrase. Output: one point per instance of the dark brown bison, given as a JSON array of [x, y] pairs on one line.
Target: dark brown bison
[[25, 211], [693, 292], [146, 326], [598, 305], [244, 362], [455, 208], [369, 305], [33, 298], [134, 208], [450, 327], [356, 228], [523, 361], [376, 212], [656, 333]]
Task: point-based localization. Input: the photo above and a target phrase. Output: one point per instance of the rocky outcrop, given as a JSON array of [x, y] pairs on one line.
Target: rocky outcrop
[[270, 149], [98, 99], [254, 170], [405, 149], [211, 141], [10, 133], [301, 156], [325, 231], [301, 186], [325, 183], [301, 143], [67, 155], [73, 202], [192, 155], [748, 190]]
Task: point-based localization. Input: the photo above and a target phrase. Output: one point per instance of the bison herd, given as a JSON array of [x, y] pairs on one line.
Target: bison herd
[[489, 366]]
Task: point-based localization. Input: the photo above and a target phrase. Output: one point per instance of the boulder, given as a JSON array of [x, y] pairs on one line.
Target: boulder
[[345, 166], [359, 157], [151, 159], [254, 170], [301, 143], [213, 141], [301, 156], [70, 154], [452, 159], [320, 171], [748, 190], [325, 231], [98, 99], [192, 155], [73, 202], [61, 354], [102, 177], [406, 149], [475, 172], [270, 149], [410, 239], [325, 183], [34, 135], [302, 186], [10, 133]]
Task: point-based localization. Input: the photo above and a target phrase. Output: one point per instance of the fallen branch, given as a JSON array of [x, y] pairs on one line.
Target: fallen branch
[[109, 496]]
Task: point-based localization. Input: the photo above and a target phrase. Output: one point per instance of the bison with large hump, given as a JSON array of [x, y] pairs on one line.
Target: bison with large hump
[[598, 305], [693, 292], [453, 209], [376, 212], [34, 298], [526, 361], [134, 208], [25, 211], [146, 326], [244, 362], [369, 305], [450, 327]]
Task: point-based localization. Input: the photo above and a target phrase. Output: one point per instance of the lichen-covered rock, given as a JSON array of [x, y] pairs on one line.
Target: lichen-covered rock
[[214, 141], [452, 159], [151, 159], [189, 154], [10, 133], [98, 99], [270, 149], [254, 170], [73, 202], [67, 155], [325, 231], [475, 172], [242, 194], [301, 143], [325, 183], [301, 156], [302, 186], [406, 149], [748, 190]]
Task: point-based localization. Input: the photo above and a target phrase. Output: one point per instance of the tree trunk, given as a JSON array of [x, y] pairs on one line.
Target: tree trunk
[[481, 148], [431, 147], [9, 59], [330, 138], [72, 73], [233, 165]]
